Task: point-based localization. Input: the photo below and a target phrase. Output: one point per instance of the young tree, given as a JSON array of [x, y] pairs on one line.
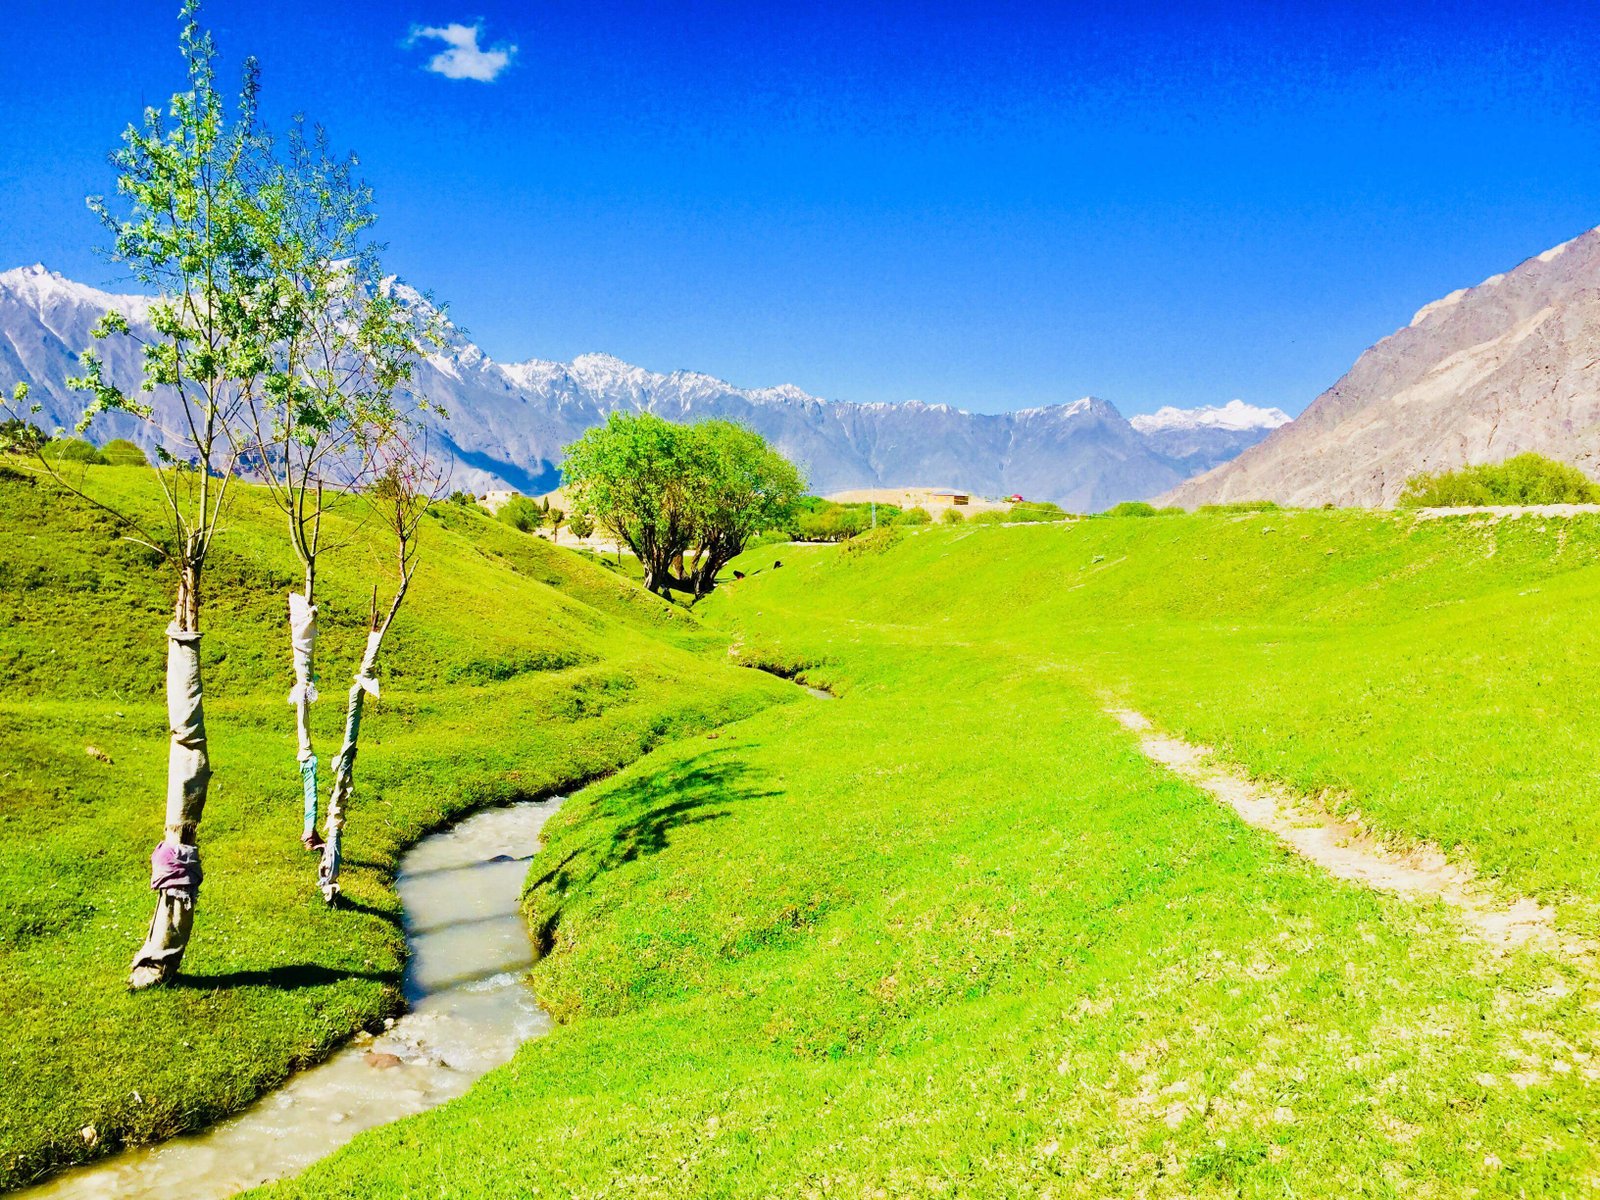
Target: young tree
[[407, 484], [186, 226], [345, 351], [685, 498]]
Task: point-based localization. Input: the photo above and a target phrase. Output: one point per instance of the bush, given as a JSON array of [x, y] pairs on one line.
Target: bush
[[1525, 479], [521, 513], [75, 450], [913, 516], [1131, 508], [990, 516], [20, 437], [952, 516], [874, 541], [819, 520], [120, 452], [1241, 506], [1034, 511], [580, 525]]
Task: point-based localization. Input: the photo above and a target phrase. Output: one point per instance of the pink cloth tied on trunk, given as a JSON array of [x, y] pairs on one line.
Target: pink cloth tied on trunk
[[175, 870]]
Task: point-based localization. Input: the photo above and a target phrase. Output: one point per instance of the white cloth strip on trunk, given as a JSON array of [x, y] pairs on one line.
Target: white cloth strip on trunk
[[188, 767], [365, 679], [303, 640]]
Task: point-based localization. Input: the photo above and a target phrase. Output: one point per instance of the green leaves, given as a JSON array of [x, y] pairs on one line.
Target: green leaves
[[695, 493], [1525, 479]]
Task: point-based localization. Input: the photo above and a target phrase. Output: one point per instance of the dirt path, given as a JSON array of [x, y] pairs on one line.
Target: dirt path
[[1347, 852]]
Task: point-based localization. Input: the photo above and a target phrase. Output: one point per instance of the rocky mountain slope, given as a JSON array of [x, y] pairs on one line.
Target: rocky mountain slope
[[1486, 373], [509, 423]]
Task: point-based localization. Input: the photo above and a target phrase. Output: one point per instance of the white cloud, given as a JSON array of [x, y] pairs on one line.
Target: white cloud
[[464, 58]]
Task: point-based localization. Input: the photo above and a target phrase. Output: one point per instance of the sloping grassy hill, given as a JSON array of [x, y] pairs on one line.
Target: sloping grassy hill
[[514, 670], [954, 935]]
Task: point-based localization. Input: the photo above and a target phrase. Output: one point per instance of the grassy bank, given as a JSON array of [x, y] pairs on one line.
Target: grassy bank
[[953, 935], [516, 669]]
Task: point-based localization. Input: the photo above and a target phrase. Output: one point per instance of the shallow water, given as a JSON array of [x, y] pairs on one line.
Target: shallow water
[[470, 1010]]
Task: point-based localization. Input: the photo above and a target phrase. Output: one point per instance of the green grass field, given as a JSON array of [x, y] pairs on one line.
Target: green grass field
[[954, 935], [515, 669]]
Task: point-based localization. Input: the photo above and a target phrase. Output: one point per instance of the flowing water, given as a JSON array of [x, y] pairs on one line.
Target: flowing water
[[470, 1010]]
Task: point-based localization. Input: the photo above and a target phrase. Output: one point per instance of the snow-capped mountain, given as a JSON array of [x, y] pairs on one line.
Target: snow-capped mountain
[[509, 424], [1202, 438], [1234, 415]]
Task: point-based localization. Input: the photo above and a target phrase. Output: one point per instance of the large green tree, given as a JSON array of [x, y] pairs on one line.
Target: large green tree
[[686, 499]]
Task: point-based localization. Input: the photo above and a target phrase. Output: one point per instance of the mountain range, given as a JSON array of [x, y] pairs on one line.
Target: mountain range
[[1483, 374], [509, 423]]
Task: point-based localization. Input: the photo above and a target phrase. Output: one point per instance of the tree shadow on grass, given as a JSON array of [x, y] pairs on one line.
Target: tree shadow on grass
[[287, 977], [641, 816], [648, 809]]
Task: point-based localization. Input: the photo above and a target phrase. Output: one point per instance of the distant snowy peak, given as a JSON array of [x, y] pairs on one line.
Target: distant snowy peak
[[45, 289], [1234, 415]]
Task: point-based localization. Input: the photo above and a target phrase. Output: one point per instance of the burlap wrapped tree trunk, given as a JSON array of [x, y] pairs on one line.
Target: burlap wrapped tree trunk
[[303, 642], [175, 865], [344, 767]]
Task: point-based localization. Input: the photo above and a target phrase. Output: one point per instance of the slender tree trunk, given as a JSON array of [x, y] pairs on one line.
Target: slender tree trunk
[[303, 640], [175, 865], [344, 767]]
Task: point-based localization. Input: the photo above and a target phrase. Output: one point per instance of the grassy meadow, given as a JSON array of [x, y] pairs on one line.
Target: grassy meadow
[[514, 670], [953, 935]]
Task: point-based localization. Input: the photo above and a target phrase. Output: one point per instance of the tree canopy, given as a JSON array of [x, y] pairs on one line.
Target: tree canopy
[[686, 499]]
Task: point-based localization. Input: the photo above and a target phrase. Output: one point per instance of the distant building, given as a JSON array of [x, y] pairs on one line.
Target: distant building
[[951, 498], [495, 501], [1014, 498]]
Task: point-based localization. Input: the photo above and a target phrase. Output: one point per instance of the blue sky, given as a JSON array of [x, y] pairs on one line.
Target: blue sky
[[991, 204]]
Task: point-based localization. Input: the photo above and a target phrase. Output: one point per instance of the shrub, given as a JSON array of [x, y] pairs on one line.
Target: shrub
[[991, 516], [1034, 511], [1131, 508], [1525, 479], [580, 525], [913, 516], [20, 437], [819, 520], [952, 516], [75, 450], [874, 541], [120, 452], [1241, 506], [522, 513]]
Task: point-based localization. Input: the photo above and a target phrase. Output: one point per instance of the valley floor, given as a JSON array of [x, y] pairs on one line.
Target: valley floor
[[955, 934]]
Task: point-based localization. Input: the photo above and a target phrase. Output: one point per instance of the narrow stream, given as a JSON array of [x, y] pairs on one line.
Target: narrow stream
[[470, 1010]]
